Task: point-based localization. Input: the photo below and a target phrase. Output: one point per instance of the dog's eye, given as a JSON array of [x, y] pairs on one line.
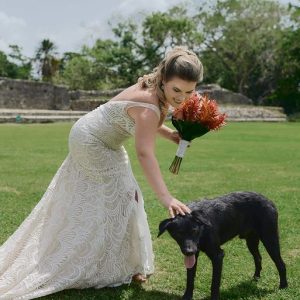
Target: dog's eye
[[194, 229]]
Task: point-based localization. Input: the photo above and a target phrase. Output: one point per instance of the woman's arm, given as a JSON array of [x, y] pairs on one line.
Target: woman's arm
[[146, 123]]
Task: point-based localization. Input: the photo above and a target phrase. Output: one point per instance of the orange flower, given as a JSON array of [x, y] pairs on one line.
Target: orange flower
[[202, 110], [193, 118]]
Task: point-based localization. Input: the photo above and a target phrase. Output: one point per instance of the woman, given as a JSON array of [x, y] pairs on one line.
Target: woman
[[90, 228]]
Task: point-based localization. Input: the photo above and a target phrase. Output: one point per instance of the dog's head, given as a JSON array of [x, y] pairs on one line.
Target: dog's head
[[186, 231]]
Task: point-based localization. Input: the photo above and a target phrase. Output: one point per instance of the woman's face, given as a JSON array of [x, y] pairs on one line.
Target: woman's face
[[177, 90]]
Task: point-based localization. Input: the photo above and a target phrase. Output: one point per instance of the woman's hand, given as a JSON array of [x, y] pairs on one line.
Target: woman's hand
[[176, 207], [169, 134], [174, 137]]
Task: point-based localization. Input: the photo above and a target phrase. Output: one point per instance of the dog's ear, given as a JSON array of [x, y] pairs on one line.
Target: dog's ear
[[163, 226], [200, 218]]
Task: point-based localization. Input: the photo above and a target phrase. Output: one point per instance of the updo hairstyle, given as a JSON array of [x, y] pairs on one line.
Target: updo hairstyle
[[179, 62]]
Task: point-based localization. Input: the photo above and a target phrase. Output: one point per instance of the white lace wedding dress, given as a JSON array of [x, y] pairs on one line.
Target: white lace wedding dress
[[90, 228]]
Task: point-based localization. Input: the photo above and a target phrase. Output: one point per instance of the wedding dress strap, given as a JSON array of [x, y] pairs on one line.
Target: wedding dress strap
[[143, 104]]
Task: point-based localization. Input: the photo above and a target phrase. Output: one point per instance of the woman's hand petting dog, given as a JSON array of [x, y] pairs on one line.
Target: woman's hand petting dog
[[175, 207]]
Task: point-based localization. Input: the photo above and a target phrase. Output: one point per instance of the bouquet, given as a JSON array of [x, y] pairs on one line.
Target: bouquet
[[193, 118]]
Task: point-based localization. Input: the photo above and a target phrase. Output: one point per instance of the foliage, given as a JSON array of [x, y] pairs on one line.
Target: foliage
[[76, 73], [46, 57], [105, 65], [15, 65], [6, 68], [287, 92], [242, 45], [164, 30], [138, 49]]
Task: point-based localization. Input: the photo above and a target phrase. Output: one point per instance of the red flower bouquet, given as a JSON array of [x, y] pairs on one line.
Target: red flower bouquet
[[194, 118]]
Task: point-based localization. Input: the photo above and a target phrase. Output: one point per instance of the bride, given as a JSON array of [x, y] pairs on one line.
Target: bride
[[90, 228]]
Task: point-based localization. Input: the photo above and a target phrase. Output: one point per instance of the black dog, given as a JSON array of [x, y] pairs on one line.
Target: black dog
[[213, 222]]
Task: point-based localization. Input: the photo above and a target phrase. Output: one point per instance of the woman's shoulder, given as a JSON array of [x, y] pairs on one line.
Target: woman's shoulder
[[135, 93]]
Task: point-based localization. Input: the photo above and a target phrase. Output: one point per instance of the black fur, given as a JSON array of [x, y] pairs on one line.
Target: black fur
[[211, 223]]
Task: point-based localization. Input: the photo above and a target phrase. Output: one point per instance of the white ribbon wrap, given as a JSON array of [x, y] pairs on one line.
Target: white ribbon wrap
[[181, 148]]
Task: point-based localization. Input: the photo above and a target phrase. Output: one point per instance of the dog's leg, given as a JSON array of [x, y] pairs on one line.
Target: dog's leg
[[217, 263], [190, 279], [252, 244], [270, 238], [271, 243]]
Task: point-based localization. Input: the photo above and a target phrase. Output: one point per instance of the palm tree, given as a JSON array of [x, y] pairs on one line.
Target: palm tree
[[47, 60]]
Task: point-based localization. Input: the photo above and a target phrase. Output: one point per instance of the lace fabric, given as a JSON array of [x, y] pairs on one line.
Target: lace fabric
[[90, 228]]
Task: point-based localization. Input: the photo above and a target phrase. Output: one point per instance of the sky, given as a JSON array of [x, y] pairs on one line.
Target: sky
[[70, 23]]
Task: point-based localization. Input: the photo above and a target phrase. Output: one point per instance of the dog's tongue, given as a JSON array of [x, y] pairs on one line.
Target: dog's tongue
[[189, 261]]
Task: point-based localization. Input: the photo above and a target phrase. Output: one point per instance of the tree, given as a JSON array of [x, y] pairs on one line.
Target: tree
[[242, 42], [93, 68], [6, 68], [287, 92], [77, 74], [147, 42], [23, 63], [14, 65], [161, 31], [48, 63]]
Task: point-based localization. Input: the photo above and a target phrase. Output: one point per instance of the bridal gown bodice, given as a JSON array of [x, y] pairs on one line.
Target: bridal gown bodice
[[90, 228]]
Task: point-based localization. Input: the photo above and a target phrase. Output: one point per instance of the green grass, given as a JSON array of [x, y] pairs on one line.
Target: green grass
[[262, 157]]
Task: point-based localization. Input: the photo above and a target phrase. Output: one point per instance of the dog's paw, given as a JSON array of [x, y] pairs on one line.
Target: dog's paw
[[283, 285], [256, 278], [187, 297]]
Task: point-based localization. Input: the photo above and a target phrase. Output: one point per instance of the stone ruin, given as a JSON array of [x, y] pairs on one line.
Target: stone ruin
[[224, 96], [26, 94], [18, 96]]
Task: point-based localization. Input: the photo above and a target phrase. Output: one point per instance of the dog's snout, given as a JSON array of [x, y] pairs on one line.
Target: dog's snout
[[189, 249], [189, 252]]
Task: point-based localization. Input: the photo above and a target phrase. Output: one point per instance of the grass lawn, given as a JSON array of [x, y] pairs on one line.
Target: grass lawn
[[262, 157]]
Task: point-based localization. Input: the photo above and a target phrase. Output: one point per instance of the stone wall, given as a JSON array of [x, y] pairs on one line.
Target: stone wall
[[253, 113], [28, 94], [16, 96], [89, 100], [224, 96], [93, 94], [25, 94]]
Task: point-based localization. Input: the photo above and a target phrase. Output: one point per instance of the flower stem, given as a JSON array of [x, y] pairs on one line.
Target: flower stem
[[174, 168]]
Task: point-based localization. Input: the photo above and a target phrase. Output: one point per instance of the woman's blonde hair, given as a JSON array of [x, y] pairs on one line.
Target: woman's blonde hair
[[179, 62]]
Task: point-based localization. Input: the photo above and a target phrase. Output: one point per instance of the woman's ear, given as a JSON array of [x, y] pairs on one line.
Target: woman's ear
[[163, 226]]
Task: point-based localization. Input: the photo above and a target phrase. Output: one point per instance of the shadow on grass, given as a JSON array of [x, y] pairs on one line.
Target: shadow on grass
[[129, 292], [243, 290]]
